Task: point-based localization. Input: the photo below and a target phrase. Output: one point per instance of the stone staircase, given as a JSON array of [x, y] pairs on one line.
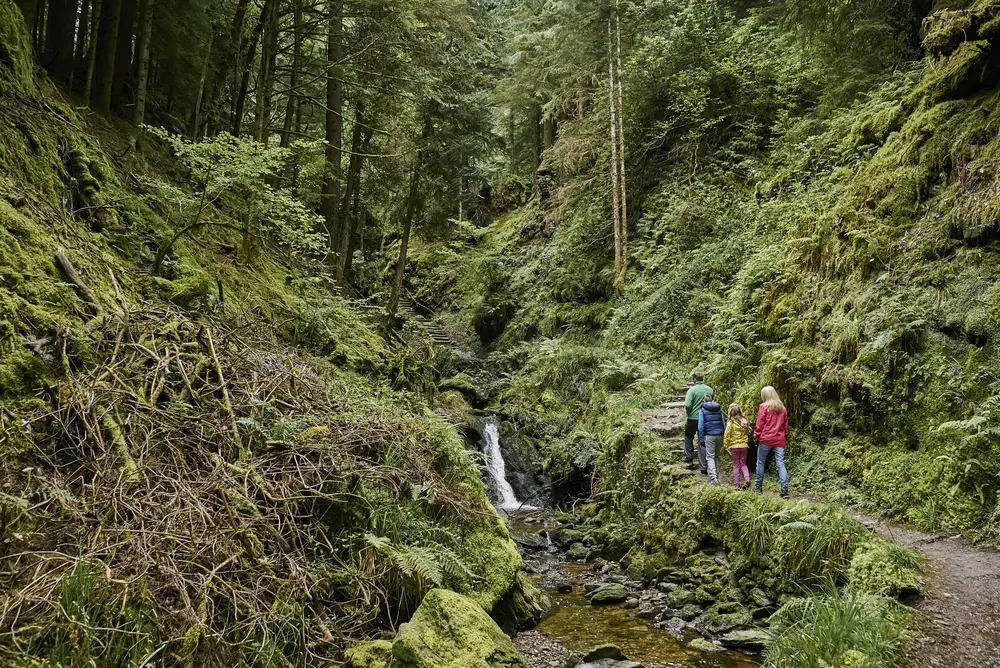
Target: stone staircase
[[667, 421], [439, 336]]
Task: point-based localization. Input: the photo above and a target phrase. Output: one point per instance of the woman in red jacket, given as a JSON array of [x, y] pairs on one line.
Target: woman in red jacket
[[771, 433]]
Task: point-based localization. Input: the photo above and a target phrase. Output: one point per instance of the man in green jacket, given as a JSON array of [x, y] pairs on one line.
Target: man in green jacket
[[692, 405]]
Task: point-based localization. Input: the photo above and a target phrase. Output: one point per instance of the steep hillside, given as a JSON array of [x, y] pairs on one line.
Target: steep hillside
[[223, 462], [847, 256]]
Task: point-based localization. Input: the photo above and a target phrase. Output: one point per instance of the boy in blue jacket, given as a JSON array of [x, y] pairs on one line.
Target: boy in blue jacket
[[711, 430]]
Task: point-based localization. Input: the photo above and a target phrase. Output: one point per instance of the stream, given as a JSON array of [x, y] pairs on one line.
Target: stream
[[573, 623]]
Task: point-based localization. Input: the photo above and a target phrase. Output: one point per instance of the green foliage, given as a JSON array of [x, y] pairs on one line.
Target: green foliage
[[859, 631], [886, 569]]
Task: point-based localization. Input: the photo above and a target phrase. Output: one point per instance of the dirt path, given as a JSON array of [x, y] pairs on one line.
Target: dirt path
[[961, 603]]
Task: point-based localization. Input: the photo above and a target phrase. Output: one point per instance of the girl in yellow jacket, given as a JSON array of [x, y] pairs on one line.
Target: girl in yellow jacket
[[735, 441]]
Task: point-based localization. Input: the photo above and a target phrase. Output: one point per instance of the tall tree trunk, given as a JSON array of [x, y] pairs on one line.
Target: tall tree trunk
[[621, 152], [107, 49], [616, 218], [360, 137], [95, 22], [293, 79], [239, 108], [411, 204], [142, 58], [196, 121], [80, 51], [29, 9], [123, 54], [265, 81], [231, 48], [59, 38], [330, 199]]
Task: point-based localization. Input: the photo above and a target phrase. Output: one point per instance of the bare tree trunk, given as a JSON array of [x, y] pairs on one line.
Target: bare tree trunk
[[239, 107], [330, 201], [59, 38], [95, 21], [107, 49], [196, 121], [80, 50], [411, 203], [621, 151], [616, 218], [142, 56], [293, 79], [461, 201], [265, 82], [123, 54], [361, 136], [548, 133], [29, 9]]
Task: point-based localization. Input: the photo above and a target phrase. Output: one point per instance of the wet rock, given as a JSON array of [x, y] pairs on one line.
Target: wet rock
[[668, 587], [689, 612], [649, 611], [577, 552], [753, 639], [722, 618], [759, 598], [632, 604], [591, 587], [609, 594], [565, 588], [532, 542], [680, 598], [675, 624], [538, 568], [705, 645]]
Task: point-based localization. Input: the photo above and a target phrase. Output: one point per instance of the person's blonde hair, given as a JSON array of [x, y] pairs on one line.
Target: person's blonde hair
[[769, 397]]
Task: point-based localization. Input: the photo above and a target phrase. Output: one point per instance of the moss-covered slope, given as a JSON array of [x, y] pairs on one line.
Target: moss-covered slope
[[223, 464]]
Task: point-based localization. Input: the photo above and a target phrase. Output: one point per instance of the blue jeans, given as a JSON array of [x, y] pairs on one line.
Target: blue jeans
[[779, 456]]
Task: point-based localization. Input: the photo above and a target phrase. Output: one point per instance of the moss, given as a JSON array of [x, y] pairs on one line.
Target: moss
[[885, 568], [187, 292], [373, 654], [16, 58], [493, 559], [449, 630]]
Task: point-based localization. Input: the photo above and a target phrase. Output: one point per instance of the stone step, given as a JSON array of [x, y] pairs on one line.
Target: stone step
[[672, 404]]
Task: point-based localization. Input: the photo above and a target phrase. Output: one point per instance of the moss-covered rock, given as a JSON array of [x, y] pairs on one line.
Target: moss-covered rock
[[609, 594], [885, 568], [374, 654], [449, 630], [522, 607]]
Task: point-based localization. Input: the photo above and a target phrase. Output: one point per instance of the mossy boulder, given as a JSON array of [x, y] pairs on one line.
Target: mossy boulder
[[449, 630], [609, 594], [703, 645], [523, 606], [752, 639], [374, 654]]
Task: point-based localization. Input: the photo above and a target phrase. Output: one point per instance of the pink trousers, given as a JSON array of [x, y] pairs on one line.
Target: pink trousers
[[739, 465]]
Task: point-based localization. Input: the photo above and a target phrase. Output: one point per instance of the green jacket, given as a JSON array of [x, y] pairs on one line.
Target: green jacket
[[694, 398]]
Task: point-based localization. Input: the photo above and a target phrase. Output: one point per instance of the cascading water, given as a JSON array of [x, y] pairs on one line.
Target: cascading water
[[506, 499]]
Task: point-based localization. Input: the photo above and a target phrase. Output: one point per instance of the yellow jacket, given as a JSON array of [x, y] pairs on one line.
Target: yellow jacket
[[736, 436]]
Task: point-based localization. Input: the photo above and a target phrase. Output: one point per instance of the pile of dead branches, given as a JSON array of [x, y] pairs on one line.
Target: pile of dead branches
[[203, 474]]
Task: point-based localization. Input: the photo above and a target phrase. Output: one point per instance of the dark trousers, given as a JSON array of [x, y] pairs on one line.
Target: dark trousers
[[690, 433]]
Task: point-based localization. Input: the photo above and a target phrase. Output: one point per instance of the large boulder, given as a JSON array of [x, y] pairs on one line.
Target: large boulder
[[450, 630]]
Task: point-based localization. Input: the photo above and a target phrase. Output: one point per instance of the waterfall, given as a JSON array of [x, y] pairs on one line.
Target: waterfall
[[506, 500]]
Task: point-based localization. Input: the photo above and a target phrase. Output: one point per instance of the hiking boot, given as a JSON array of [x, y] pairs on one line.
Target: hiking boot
[[784, 493], [759, 487]]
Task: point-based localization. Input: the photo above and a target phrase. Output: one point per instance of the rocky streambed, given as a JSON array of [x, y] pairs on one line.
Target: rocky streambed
[[680, 617]]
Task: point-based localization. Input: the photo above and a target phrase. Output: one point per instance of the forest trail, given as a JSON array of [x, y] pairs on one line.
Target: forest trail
[[960, 606]]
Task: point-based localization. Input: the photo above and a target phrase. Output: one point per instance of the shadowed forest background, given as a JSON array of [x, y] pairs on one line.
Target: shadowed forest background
[[227, 437]]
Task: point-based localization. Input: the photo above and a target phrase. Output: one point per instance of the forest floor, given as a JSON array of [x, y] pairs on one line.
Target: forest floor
[[960, 605]]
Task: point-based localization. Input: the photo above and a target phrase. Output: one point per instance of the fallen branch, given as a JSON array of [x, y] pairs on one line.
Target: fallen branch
[[74, 277]]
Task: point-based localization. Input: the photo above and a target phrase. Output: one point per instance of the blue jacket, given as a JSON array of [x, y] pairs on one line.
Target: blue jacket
[[711, 420]]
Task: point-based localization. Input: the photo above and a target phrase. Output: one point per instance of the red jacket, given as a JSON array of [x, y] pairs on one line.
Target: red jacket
[[772, 427]]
